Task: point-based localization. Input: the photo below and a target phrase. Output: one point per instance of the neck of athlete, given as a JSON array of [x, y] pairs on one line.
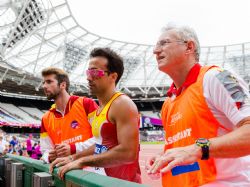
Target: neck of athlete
[[61, 101], [104, 97]]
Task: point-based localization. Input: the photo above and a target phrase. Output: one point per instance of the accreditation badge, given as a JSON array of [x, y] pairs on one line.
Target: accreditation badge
[[98, 150]]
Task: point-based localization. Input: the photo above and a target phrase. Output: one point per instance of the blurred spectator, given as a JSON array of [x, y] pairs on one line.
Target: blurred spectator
[[33, 154], [11, 149], [19, 150], [38, 151], [3, 143], [23, 146], [14, 142], [29, 145]]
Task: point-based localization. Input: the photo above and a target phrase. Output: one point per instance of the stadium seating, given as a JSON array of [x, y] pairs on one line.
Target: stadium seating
[[17, 112]]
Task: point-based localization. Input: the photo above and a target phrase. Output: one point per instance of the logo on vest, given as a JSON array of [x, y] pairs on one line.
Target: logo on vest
[[178, 136], [175, 118], [74, 124]]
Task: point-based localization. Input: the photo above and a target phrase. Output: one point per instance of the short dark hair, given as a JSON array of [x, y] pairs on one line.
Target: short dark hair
[[61, 75], [115, 61]]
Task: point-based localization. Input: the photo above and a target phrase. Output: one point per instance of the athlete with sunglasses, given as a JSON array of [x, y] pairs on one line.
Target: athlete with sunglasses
[[114, 126]]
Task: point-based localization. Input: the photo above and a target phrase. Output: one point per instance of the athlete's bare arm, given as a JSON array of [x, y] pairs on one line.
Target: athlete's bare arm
[[124, 114]]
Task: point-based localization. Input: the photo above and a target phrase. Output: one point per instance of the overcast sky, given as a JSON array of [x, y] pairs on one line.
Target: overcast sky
[[217, 22]]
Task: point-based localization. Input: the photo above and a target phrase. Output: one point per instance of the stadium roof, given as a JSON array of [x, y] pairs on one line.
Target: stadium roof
[[39, 33]]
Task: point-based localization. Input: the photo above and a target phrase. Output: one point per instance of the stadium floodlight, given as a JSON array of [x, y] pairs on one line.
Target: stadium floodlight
[[30, 15], [73, 55]]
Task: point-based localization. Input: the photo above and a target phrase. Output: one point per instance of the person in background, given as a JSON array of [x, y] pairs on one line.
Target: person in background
[[3, 144], [19, 150], [24, 149], [14, 141], [11, 149], [66, 126], [34, 153], [29, 145], [206, 116], [38, 151]]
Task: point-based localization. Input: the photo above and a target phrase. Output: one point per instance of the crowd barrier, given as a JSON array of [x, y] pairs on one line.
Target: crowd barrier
[[18, 171]]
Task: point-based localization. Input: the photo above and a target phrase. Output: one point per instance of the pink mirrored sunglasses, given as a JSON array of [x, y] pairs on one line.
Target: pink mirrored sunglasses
[[95, 73]]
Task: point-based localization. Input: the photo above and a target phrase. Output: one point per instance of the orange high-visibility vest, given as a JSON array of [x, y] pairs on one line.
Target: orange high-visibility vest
[[71, 128], [185, 119]]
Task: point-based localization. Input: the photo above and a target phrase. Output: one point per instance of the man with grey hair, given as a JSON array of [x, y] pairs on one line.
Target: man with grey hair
[[206, 116]]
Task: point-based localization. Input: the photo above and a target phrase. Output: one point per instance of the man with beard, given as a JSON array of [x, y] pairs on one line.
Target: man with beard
[[114, 125], [65, 127]]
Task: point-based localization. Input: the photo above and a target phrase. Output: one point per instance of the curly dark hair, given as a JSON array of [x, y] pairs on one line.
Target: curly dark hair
[[115, 61]]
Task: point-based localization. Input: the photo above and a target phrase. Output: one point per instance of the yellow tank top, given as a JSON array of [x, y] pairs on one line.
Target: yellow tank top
[[101, 118]]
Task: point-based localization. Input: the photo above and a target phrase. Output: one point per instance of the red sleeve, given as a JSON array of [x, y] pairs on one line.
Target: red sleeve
[[42, 127], [72, 149], [89, 105]]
